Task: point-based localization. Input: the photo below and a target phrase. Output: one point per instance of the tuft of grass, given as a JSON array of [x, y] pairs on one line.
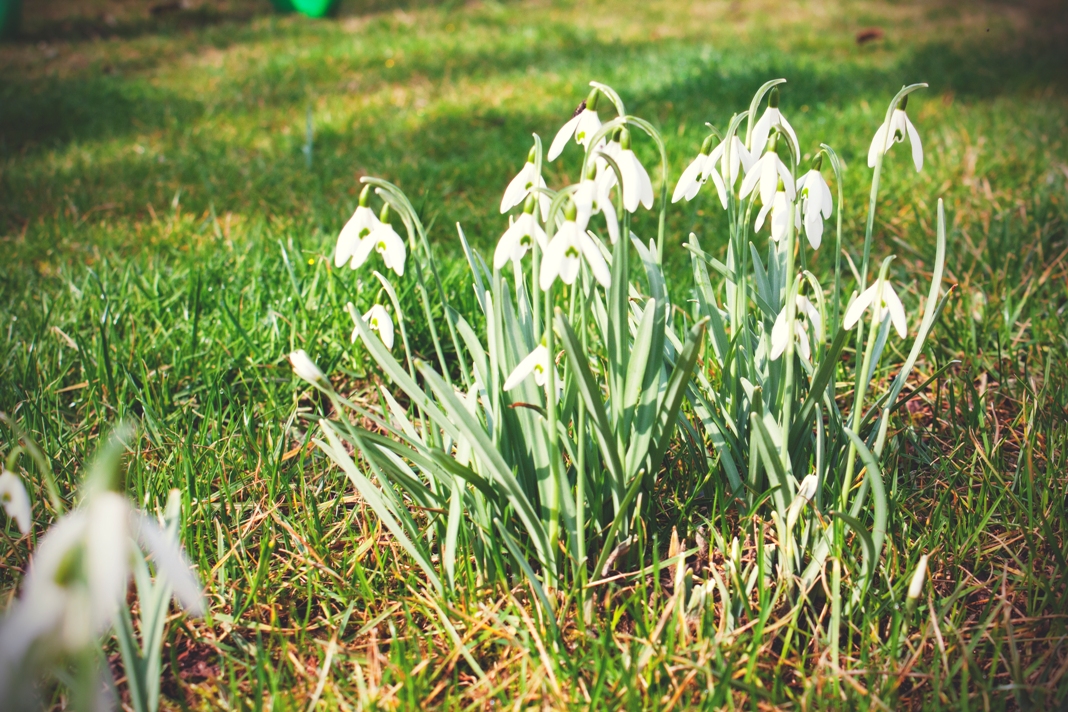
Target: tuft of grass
[[168, 245]]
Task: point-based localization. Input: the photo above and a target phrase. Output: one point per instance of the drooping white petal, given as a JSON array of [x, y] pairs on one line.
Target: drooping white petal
[[769, 177], [595, 260], [813, 227], [780, 336], [918, 576], [15, 500], [359, 226], [637, 188], [785, 176], [917, 146], [610, 219], [170, 563], [536, 362], [690, 180], [517, 189], [588, 124], [506, 246], [896, 309], [378, 319], [562, 137], [780, 216], [792, 137], [826, 201], [806, 307], [806, 491], [363, 250], [306, 369], [802, 341], [761, 215], [857, 307], [762, 129], [107, 556], [752, 178], [717, 180], [390, 245], [560, 252], [878, 145]]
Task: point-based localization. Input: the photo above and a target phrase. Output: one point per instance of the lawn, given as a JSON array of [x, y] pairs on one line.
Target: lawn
[[172, 184]]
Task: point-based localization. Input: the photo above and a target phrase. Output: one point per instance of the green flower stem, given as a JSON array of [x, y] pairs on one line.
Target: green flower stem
[[858, 411], [791, 315], [553, 505]]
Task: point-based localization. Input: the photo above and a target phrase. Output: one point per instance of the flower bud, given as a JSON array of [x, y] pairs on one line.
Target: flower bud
[[306, 369], [918, 576]]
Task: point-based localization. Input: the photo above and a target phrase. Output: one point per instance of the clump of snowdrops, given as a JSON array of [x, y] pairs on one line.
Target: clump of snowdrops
[[535, 451], [74, 593]]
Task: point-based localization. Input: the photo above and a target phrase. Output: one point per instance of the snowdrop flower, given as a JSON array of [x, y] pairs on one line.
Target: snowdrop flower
[[519, 237], [884, 301], [816, 204], [536, 362], [562, 256], [360, 225], [592, 197], [15, 500], [695, 175], [306, 369], [918, 576], [377, 319], [805, 492], [780, 211], [895, 132], [78, 578], [767, 172], [384, 240], [583, 124], [735, 160], [637, 188], [772, 118], [522, 185], [780, 332]]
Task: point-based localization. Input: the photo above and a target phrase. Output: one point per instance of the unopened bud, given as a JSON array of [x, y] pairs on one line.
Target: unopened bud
[[918, 576], [306, 369]]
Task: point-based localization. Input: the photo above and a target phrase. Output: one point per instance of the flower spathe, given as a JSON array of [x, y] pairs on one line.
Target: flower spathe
[[780, 332], [519, 238], [895, 132], [767, 172], [563, 256], [536, 362], [816, 205], [362, 223], [377, 319], [696, 174], [78, 577], [384, 240], [582, 125], [306, 369], [15, 500], [770, 120], [884, 302]]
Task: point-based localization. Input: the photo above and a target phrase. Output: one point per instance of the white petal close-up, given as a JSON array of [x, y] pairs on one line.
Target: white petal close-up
[[816, 205], [771, 119], [377, 319], [582, 126], [385, 241], [16, 501], [591, 198], [563, 257], [779, 208], [780, 333], [518, 239], [767, 172], [536, 362], [895, 132], [883, 300], [520, 187], [695, 176], [362, 223], [734, 162], [637, 187], [306, 369]]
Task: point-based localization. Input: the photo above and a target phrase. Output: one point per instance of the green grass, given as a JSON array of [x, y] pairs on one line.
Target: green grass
[[167, 245]]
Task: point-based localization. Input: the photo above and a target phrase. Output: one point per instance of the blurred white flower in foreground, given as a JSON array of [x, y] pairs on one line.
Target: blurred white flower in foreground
[[536, 362], [815, 206], [884, 302], [362, 223], [306, 369], [780, 332], [377, 319], [384, 240], [582, 125], [15, 500], [519, 237], [895, 132], [562, 257]]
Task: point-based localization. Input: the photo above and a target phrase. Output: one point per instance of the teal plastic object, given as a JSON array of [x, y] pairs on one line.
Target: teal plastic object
[[10, 18], [311, 8]]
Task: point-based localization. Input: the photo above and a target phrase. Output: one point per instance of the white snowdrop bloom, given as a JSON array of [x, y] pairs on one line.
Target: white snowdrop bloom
[[78, 577], [564, 254], [771, 119], [384, 240], [815, 205], [536, 362], [592, 197], [522, 185], [767, 172], [360, 225], [780, 333], [696, 174], [15, 500], [779, 208], [895, 132], [734, 158], [306, 369], [637, 188], [918, 576], [519, 237], [377, 319], [583, 124], [884, 301]]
